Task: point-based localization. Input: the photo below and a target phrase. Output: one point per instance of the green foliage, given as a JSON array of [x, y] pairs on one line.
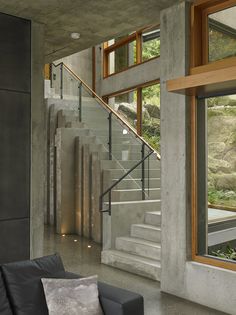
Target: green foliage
[[151, 133], [228, 253], [151, 49], [220, 45], [221, 197]]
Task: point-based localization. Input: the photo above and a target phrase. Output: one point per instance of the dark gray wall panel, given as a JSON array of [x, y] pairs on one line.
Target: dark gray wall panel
[[14, 154], [15, 242], [15, 139], [15, 53]]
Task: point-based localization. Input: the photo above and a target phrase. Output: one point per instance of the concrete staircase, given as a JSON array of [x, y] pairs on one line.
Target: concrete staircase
[[132, 234], [140, 252]]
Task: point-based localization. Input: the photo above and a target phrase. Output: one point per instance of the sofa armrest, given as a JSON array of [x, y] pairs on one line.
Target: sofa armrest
[[116, 301]]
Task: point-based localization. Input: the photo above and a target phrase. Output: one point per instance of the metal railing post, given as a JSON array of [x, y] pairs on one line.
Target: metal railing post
[[143, 171], [109, 209], [61, 80], [110, 135], [80, 101]]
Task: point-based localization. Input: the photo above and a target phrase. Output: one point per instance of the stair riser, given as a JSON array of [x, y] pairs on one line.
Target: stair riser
[[147, 205], [136, 173], [138, 249], [146, 234], [126, 155], [153, 164], [134, 195], [153, 219], [150, 272], [130, 184]]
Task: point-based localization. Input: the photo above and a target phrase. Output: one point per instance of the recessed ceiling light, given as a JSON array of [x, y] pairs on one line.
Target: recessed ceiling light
[[75, 35]]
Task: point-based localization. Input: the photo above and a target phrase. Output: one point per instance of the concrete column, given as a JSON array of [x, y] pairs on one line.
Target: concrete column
[[78, 187], [38, 142], [175, 135], [86, 191], [96, 217]]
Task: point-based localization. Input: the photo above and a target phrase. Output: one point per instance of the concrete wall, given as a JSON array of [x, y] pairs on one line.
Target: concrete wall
[[81, 64], [140, 74], [38, 142], [15, 94], [207, 285]]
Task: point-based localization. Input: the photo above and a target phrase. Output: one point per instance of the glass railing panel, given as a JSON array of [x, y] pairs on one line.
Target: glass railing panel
[[70, 86]]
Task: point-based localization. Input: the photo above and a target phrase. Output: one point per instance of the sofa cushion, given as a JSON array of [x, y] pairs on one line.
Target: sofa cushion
[[72, 296], [24, 286], [5, 308]]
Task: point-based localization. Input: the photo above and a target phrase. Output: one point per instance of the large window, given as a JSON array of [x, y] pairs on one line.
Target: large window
[[127, 51], [216, 169], [214, 33], [140, 107], [222, 34]]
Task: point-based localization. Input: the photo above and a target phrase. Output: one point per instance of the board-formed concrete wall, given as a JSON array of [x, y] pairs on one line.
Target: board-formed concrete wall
[[203, 284]]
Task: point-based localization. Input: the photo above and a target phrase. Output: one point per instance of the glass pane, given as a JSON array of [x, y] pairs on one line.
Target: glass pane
[[150, 44], [217, 177], [126, 105], [70, 86], [222, 34], [122, 58], [151, 115]]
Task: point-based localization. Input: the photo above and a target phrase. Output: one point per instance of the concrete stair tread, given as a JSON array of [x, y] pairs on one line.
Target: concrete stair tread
[[137, 179], [131, 257], [154, 212], [139, 241], [135, 202], [136, 189], [147, 226]]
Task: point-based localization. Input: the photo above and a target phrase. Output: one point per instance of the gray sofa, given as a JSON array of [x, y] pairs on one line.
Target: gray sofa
[[21, 290]]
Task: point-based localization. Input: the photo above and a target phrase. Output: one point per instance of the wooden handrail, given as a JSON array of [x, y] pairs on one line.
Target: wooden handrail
[[111, 110]]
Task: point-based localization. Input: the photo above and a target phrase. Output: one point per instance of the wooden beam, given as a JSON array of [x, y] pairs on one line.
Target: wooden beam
[[205, 83]]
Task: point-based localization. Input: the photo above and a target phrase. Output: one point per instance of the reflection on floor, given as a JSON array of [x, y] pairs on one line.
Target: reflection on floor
[[82, 256]]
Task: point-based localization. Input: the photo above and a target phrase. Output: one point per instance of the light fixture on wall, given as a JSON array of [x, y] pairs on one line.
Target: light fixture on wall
[[75, 35]]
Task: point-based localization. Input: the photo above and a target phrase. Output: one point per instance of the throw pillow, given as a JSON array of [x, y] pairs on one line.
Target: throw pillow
[[72, 296], [24, 286]]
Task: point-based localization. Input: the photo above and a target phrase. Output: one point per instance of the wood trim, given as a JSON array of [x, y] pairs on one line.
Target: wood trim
[[215, 261], [122, 42], [131, 88], [138, 48], [199, 28], [139, 111], [216, 65], [94, 69], [189, 84], [136, 36], [105, 64], [47, 72]]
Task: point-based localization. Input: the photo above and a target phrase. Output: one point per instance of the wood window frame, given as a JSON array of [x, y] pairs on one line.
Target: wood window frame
[[203, 76], [199, 36], [138, 88], [136, 36]]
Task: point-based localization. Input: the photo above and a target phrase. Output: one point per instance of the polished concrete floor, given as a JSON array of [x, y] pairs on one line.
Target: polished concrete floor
[[82, 256]]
